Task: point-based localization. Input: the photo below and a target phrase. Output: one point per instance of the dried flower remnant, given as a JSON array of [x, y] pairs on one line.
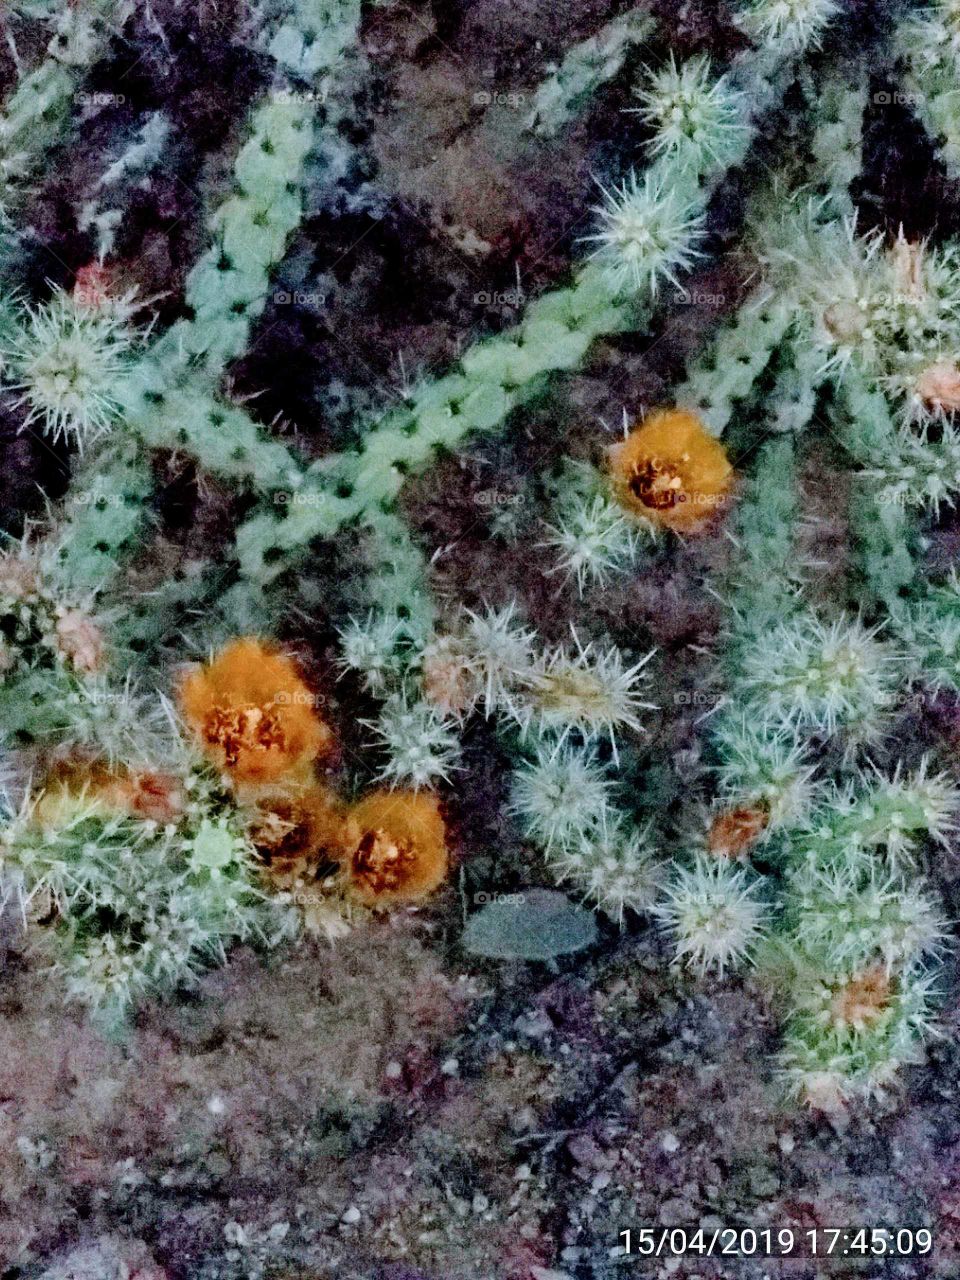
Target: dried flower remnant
[[151, 795], [92, 286], [938, 387], [79, 640], [252, 714], [401, 852], [449, 677], [671, 472], [861, 1001], [299, 832], [735, 831]]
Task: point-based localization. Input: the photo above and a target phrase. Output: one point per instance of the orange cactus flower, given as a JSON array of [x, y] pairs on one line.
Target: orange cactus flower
[[400, 854], [252, 714], [671, 471], [296, 832]]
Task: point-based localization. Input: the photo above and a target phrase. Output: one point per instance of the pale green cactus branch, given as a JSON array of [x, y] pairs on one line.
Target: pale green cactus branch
[[35, 117], [561, 97]]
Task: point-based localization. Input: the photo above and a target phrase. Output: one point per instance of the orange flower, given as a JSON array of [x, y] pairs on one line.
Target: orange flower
[[400, 851], [252, 714], [671, 471], [297, 831]]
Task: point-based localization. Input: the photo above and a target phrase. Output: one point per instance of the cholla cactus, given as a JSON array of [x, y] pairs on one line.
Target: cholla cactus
[[846, 918], [616, 869], [931, 632], [147, 904], [54, 652], [588, 692], [68, 361], [502, 652], [593, 537], [584, 68], [822, 678], [851, 1034], [873, 814], [561, 795], [789, 24], [886, 308], [421, 746], [695, 118], [647, 232], [929, 41], [769, 768], [714, 915], [370, 646]]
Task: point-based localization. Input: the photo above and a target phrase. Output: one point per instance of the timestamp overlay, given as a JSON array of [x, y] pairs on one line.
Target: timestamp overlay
[[772, 1242]]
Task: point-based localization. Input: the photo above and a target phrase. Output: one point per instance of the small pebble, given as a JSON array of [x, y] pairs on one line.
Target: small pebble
[[670, 1142], [351, 1215]]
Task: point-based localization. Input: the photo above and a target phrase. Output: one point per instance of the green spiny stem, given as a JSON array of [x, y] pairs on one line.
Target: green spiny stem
[[104, 515], [764, 589], [397, 584], [929, 42], [583, 69], [883, 525], [36, 115], [477, 396], [736, 359], [836, 143]]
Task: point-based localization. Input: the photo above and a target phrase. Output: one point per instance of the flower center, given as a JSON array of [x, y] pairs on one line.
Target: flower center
[[657, 485], [239, 729], [283, 835], [382, 863]]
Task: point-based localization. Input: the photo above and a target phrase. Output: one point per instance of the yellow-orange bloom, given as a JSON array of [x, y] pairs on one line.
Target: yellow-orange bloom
[[671, 471], [400, 852], [252, 714]]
